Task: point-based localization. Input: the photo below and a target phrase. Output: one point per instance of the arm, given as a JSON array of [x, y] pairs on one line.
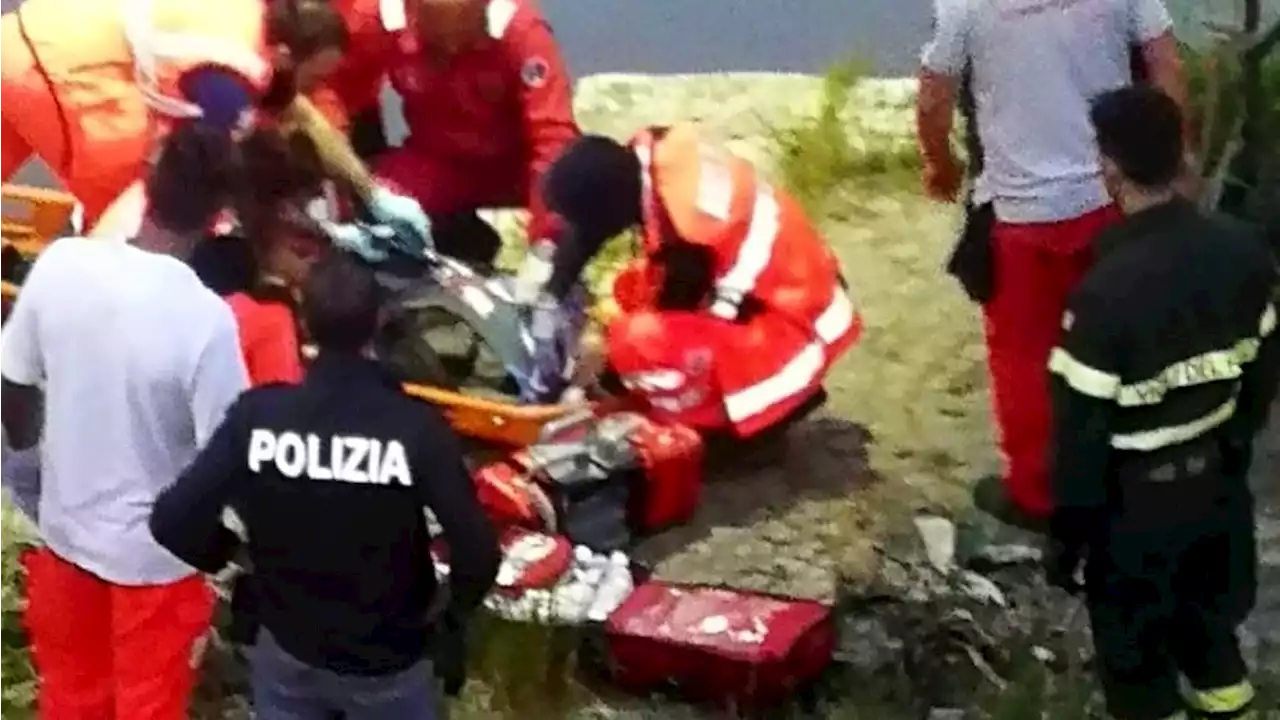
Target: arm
[[1152, 29], [21, 355], [332, 144], [546, 100], [187, 517], [219, 376], [1260, 379], [446, 488], [1084, 383], [941, 64]]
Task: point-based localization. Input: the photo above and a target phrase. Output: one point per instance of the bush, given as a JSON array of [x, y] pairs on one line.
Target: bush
[[823, 158], [17, 698]]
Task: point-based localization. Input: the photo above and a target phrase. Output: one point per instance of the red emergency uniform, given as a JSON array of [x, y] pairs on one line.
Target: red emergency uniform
[[703, 368], [268, 339], [90, 87], [483, 125], [1038, 265]]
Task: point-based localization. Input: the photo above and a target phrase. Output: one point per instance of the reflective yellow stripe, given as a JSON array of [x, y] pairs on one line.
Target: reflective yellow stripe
[[1164, 437], [1082, 378], [1230, 699], [1209, 367]]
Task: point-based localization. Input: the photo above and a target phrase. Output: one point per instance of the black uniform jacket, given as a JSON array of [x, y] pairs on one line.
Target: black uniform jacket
[[330, 478], [1167, 365]]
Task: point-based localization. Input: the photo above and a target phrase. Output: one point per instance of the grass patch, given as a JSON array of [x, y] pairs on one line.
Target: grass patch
[[828, 157]]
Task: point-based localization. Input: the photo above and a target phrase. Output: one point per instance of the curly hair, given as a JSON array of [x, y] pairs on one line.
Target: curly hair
[[193, 178]]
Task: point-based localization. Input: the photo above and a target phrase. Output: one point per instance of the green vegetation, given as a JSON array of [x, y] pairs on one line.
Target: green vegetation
[[826, 158]]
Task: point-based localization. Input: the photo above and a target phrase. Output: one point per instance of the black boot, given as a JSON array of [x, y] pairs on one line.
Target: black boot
[[990, 497]]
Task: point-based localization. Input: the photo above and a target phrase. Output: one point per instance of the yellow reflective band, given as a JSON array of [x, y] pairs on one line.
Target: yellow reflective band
[[1164, 437], [1268, 323], [1230, 699], [1210, 367], [1082, 378]]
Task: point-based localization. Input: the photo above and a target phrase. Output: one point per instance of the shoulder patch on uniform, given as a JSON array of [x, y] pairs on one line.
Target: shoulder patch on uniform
[[392, 14], [498, 16], [534, 72], [1068, 319]]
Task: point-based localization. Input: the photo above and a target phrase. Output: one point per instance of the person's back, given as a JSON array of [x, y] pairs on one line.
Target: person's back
[[1036, 64], [330, 478], [337, 534], [122, 332]]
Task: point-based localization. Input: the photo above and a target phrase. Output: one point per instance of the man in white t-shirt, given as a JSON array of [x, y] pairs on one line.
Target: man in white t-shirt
[[134, 362], [1033, 67]]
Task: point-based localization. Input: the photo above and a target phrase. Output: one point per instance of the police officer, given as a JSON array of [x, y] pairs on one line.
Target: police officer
[[330, 478], [1167, 366]]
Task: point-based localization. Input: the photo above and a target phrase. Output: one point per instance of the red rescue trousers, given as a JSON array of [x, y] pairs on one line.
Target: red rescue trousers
[[105, 651], [666, 361], [1037, 265]]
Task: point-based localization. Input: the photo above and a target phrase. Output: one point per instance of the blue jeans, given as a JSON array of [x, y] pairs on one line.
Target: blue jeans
[[285, 688]]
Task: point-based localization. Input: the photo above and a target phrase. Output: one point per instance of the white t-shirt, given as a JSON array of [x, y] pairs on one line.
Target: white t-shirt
[[138, 362], [1036, 65]]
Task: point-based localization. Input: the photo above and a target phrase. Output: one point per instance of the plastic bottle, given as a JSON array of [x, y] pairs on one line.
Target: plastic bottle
[[614, 588]]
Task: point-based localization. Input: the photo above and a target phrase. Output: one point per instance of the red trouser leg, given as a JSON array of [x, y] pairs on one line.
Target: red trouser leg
[[68, 617], [666, 360], [1037, 265], [155, 633]]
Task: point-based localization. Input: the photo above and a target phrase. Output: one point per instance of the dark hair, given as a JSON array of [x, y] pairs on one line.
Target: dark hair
[[341, 300], [281, 174], [305, 27], [194, 177], [1140, 129]]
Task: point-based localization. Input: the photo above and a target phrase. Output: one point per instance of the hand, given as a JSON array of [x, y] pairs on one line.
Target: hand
[[1061, 564], [534, 272], [449, 654], [942, 179], [403, 214], [356, 239]]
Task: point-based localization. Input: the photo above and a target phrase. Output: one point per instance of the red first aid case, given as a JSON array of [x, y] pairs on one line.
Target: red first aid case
[[671, 461], [741, 650], [623, 475]]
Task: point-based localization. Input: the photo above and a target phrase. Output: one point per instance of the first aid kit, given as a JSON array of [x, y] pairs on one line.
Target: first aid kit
[[600, 481], [740, 650]]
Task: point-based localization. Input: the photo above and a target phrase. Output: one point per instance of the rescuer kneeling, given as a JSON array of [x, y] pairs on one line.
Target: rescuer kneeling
[[736, 308], [1165, 372]]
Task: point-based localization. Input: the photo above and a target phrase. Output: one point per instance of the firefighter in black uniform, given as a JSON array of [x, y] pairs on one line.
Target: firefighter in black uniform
[[330, 478], [1165, 372]]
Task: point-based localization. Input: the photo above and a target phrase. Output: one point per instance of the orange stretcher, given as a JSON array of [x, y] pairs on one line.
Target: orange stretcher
[[35, 216]]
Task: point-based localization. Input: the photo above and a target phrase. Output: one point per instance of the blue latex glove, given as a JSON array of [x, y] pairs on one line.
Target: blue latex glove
[[411, 226], [556, 327], [359, 240]]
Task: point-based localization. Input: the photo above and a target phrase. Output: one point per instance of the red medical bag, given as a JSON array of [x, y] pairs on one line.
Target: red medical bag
[[599, 482], [741, 650], [671, 458]]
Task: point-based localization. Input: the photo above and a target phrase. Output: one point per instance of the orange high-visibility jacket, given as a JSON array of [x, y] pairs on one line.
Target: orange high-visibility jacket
[[90, 87], [765, 249]]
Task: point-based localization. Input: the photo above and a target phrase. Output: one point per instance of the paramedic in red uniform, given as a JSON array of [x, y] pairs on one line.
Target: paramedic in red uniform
[[736, 308], [487, 102], [1033, 67]]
